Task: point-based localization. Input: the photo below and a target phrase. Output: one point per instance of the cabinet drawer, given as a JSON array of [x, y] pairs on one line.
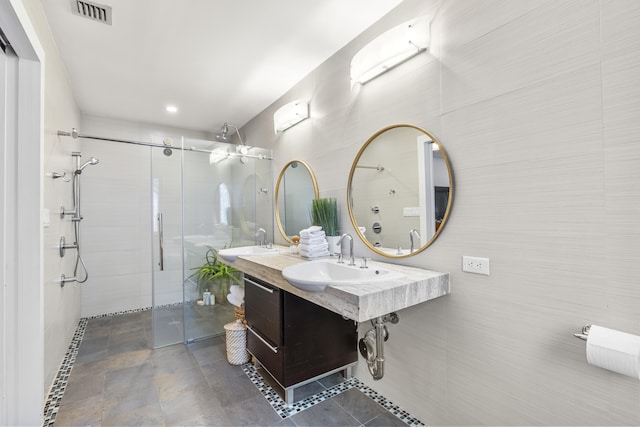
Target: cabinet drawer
[[269, 356], [263, 309]]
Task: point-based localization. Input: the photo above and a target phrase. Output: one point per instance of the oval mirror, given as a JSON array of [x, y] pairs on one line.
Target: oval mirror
[[400, 191], [295, 189]]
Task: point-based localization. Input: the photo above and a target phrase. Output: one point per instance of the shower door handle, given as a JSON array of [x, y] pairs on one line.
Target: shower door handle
[[161, 239]]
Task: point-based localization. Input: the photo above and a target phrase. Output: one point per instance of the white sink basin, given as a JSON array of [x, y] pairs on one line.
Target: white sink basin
[[230, 254], [315, 276]]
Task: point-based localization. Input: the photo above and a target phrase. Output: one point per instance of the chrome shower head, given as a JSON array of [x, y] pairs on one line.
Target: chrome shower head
[[91, 161], [224, 136]]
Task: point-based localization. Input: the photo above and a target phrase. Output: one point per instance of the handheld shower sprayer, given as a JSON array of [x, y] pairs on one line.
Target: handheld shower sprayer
[[91, 161]]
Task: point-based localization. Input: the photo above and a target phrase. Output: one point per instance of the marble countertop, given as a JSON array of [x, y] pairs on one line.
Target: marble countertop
[[359, 303]]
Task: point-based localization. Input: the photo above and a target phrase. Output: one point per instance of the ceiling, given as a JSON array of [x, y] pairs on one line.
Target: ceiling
[[216, 60]]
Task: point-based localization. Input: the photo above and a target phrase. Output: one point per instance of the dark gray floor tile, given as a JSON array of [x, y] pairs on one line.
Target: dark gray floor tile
[[83, 387], [359, 405], [123, 400], [386, 419], [252, 412], [98, 322], [85, 412], [91, 369], [220, 372], [126, 328], [149, 415], [126, 318], [287, 422], [97, 331], [193, 404], [327, 413], [93, 349], [170, 385], [138, 343], [128, 359], [128, 377], [172, 359], [210, 354]]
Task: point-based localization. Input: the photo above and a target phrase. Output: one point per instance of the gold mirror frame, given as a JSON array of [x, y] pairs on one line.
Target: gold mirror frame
[[277, 193], [350, 192]]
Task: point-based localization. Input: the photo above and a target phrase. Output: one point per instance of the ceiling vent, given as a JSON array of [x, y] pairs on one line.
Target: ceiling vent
[[95, 11]]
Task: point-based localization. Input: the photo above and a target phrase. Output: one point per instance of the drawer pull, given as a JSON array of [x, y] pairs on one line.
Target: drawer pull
[[274, 349], [264, 288]]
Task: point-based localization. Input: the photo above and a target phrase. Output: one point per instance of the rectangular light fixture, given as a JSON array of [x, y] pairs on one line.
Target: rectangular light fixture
[[390, 49], [290, 114]]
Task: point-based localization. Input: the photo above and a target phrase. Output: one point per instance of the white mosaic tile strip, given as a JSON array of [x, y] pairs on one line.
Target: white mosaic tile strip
[[54, 399], [285, 410], [403, 415]]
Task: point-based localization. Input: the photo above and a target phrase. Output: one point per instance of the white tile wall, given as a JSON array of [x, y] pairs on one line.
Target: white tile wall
[[61, 305], [537, 105]]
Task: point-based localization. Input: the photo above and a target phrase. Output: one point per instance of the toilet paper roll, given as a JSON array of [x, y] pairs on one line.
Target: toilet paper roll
[[614, 350]]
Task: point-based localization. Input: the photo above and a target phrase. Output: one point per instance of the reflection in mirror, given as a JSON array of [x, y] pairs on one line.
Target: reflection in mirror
[[295, 189], [400, 190]]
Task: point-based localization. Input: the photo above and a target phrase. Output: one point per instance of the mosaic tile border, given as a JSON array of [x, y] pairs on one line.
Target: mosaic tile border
[[59, 385], [285, 410]]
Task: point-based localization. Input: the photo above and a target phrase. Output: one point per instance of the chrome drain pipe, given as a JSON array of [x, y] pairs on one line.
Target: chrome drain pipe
[[372, 344]]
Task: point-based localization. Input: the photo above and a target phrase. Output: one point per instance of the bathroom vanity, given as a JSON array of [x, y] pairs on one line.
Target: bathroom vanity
[[300, 336], [293, 339]]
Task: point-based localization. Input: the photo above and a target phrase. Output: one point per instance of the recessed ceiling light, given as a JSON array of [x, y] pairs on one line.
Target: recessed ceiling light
[[171, 109]]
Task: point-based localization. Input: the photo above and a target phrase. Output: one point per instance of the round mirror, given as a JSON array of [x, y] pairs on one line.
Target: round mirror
[[400, 190], [295, 189]]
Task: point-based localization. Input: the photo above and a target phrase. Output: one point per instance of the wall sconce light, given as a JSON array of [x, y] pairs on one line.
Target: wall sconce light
[[390, 49], [290, 114]]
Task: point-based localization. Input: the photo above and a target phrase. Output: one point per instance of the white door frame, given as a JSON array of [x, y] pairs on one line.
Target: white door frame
[[21, 141]]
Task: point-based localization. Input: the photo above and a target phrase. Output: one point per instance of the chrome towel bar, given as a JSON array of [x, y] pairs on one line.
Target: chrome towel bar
[[585, 333]]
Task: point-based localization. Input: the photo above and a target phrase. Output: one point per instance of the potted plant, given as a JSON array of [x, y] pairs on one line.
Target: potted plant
[[324, 212], [216, 276]]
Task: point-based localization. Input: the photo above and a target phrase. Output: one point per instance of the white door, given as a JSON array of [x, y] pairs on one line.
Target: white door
[[3, 303], [21, 317]]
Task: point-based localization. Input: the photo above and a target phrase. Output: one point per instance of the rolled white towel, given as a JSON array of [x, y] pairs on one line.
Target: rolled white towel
[[235, 300], [237, 291]]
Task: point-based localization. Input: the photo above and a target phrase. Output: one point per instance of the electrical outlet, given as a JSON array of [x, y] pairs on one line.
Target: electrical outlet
[[472, 264]]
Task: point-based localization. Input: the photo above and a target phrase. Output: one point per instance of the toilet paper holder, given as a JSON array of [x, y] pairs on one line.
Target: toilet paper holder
[[585, 333]]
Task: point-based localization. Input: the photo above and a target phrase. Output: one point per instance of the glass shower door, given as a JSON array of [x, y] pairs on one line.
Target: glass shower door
[[166, 205], [207, 195]]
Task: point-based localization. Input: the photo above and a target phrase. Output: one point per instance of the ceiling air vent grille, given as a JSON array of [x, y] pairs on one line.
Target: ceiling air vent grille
[[95, 11]]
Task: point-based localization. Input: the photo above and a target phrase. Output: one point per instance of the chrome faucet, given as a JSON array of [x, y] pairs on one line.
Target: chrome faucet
[[352, 258], [412, 233], [263, 242]]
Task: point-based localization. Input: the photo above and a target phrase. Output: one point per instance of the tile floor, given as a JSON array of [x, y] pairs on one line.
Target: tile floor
[[116, 379]]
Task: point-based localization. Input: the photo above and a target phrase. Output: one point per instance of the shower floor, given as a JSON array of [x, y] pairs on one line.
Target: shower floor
[[195, 321]]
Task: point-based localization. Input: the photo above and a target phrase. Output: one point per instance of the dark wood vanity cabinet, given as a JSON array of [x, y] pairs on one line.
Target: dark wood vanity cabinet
[[293, 339]]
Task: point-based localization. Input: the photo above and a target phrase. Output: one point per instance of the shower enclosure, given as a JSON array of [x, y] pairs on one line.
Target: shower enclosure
[[204, 195]]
